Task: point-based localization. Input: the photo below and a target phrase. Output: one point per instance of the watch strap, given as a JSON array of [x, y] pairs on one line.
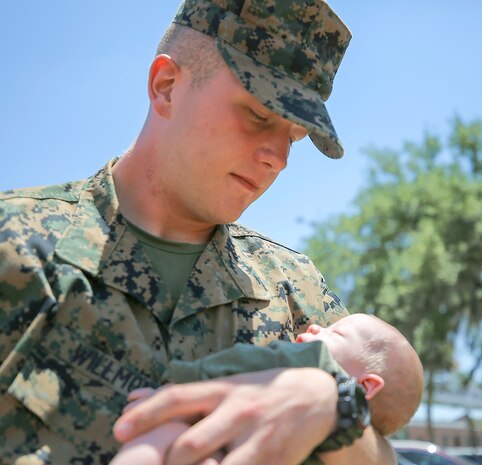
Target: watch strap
[[353, 415]]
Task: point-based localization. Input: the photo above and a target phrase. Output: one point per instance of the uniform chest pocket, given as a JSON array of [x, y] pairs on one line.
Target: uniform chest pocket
[[75, 389]]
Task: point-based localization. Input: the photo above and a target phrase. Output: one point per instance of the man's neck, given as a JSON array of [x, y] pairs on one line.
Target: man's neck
[[139, 206]]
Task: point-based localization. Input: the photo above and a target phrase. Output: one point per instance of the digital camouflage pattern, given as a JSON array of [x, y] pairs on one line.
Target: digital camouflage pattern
[[285, 52], [81, 315]]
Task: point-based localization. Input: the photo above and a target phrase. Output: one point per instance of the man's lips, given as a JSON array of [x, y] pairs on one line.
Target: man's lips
[[249, 183]]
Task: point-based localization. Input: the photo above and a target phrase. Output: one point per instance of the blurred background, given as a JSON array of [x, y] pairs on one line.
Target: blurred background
[[395, 226]]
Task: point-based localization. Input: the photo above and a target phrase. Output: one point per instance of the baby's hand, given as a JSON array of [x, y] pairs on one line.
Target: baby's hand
[[311, 334]]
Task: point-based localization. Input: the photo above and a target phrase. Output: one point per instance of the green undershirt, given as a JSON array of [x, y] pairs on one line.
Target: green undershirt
[[173, 261]]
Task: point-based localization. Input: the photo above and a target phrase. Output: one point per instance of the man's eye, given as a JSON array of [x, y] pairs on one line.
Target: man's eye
[[258, 118]]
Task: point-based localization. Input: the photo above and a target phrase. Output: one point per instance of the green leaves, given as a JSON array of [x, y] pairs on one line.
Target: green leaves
[[412, 250]]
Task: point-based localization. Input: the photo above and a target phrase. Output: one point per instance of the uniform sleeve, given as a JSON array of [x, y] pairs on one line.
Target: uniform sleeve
[[26, 299], [244, 358]]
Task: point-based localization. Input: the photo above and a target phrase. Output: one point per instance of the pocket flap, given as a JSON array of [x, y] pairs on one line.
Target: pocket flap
[[38, 390]]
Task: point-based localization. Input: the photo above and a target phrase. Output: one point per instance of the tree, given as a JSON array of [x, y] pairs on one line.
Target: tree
[[411, 250]]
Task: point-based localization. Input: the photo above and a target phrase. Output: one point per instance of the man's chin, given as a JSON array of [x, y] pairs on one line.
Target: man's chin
[[230, 217]]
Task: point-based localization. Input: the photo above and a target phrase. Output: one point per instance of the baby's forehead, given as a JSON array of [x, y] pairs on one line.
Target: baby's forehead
[[357, 318], [363, 321]]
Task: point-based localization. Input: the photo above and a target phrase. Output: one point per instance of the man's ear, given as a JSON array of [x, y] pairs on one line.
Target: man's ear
[[372, 383], [162, 76]]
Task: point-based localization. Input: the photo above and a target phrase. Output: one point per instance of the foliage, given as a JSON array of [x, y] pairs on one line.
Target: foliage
[[411, 252]]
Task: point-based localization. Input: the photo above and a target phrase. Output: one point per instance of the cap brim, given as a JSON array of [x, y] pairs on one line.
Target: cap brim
[[285, 96]]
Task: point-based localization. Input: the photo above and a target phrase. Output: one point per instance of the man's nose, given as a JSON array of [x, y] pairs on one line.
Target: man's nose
[[275, 157], [275, 146]]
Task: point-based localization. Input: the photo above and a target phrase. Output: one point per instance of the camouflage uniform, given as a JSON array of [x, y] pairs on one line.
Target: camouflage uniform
[[81, 315], [81, 308]]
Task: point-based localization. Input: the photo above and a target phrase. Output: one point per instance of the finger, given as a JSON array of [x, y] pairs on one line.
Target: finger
[[202, 440], [244, 452], [219, 429], [209, 461], [140, 393], [242, 456], [174, 401], [131, 405], [214, 460], [149, 448], [262, 447], [136, 397]]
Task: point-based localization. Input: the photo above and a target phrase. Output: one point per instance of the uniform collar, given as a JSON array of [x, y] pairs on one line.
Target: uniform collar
[[96, 226], [98, 242]]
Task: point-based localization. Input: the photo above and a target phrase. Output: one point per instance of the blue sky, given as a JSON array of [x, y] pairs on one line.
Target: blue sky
[[73, 93]]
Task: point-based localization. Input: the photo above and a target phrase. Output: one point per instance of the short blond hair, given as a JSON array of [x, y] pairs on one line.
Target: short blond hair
[[192, 49]]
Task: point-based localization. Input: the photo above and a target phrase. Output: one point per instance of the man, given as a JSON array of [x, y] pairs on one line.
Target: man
[[103, 281]]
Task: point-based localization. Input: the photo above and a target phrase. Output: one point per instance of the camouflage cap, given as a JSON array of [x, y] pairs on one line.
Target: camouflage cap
[[285, 52]]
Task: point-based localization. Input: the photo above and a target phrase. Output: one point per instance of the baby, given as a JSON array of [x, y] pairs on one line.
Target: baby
[[364, 346]]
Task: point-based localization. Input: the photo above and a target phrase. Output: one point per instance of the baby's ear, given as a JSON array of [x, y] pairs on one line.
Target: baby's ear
[[372, 383]]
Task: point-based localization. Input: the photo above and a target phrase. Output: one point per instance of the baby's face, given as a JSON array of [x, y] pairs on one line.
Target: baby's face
[[344, 339]]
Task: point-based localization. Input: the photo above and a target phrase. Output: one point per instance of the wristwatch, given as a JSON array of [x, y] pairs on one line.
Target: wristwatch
[[353, 415]]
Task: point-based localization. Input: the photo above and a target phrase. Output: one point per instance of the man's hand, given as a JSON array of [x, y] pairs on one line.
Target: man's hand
[[268, 417]]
